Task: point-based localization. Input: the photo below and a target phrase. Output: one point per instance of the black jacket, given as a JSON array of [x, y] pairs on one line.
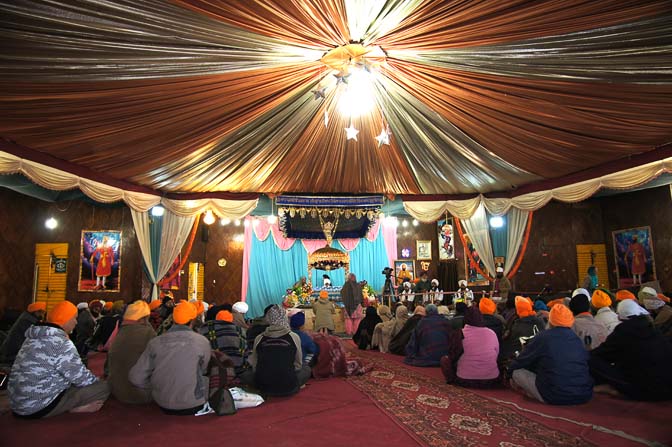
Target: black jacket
[[399, 341], [643, 356], [16, 337], [522, 327]]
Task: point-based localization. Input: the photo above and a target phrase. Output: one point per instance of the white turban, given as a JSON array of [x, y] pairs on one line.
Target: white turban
[[435, 282], [85, 305], [241, 307], [462, 282], [629, 308], [584, 291]]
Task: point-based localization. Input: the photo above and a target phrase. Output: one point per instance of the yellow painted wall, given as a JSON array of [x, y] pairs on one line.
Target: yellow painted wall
[[599, 255], [49, 286], [200, 283]]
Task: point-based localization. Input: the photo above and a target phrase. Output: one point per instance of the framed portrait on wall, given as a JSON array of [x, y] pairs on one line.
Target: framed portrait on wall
[[446, 240], [633, 256], [423, 250], [404, 270], [474, 277], [100, 261]]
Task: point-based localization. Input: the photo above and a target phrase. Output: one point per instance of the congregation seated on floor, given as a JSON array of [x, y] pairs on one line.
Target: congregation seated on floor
[[615, 343]]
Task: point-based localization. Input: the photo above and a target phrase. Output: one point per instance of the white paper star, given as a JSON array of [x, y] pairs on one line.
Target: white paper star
[[384, 137], [326, 118], [351, 133]]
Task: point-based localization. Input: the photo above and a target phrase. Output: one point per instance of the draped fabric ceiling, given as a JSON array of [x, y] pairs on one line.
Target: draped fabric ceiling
[[197, 96]]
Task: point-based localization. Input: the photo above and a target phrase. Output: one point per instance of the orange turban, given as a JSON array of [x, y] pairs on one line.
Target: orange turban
[[663, 298], [524, 307], [61, 313], [224, 315], [37, 305], [561, 316], [137, 310], [324, 294], [552, 303], [108, 305], [184, 312], [600, 299], [625, 295], [487, 306], [154, 304], [200, 308]]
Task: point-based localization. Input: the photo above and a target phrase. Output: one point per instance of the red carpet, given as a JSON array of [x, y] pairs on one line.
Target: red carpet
[[372, 410], [604, 420]]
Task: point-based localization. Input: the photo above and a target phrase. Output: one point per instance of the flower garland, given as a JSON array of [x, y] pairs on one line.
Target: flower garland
[[187, 252], [469, 255], [523, 247]]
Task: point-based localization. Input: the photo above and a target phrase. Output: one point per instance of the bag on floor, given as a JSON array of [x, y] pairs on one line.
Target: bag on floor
[[243, 399], [220, 399]]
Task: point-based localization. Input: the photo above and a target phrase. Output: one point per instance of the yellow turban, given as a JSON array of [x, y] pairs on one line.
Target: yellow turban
[[561, 316], [61, 313], [600, 299], [37, 305], [136, 311], [184, 312]]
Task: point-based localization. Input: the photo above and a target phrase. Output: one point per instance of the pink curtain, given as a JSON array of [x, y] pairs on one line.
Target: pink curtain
[[247, 247], [390, 239], [313, 244], [261, 227], [372, 235], [281, 241], [349, 244]]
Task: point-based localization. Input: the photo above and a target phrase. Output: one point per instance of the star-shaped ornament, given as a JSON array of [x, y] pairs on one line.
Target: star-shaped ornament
[[319, 93], [341, 78], [326, 118], [384, 137], [351, 133]]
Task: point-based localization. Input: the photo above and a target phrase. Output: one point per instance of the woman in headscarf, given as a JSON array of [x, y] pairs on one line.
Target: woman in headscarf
[[473, 351], [364, 335], [384, 331], [351, 295], [400, 340]]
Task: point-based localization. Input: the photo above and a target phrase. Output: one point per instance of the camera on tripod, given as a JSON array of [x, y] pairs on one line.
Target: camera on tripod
[[387, 271]]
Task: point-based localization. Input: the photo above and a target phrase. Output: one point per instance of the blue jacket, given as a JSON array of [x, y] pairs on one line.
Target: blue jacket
[[308, 346], [560, 361]]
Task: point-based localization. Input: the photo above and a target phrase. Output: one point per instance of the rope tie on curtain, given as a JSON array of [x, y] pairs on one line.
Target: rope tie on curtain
[[187, 252], [471, 258]]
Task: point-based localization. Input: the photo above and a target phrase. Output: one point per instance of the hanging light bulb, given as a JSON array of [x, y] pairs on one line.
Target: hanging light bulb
[[404, 223], [224, 221], [415, 222], [209, 218], [272, 219], [236, 222], [51, 223], [496, 222], [158, 210]]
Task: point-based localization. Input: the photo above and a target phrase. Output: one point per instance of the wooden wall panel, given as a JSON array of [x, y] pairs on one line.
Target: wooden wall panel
[[22, 226]]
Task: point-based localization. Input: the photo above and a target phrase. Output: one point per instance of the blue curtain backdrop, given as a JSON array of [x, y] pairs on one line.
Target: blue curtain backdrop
[[272, 270]]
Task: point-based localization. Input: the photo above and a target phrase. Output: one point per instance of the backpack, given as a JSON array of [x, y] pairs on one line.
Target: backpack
[[220, 399]]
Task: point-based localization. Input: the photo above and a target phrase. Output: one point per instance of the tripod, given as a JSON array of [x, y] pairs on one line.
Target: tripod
[[388, 289]]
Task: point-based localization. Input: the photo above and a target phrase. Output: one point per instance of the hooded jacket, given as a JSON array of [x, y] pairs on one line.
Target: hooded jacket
[[47, 364]]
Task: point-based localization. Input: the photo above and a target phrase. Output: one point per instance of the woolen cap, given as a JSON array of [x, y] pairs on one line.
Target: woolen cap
[[561, 316], [61, 313], [297, 320], [184, 312]]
